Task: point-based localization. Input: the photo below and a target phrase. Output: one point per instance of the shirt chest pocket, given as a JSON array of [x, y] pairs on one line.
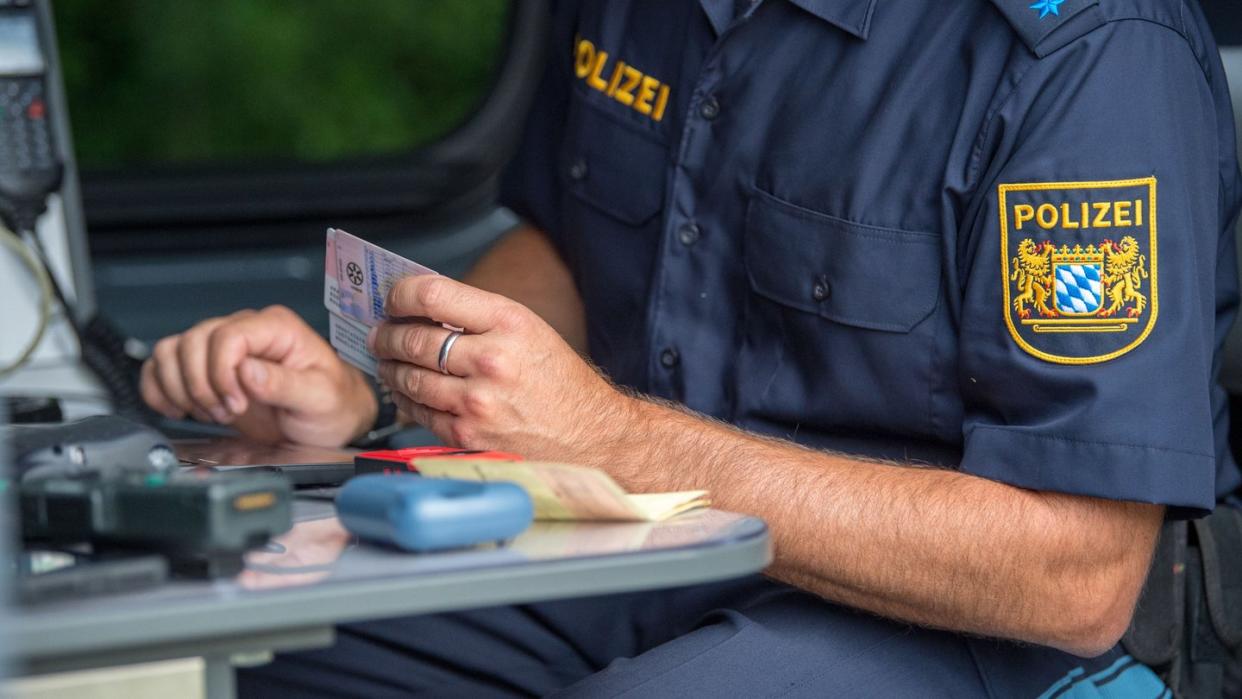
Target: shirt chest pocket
[[840, 323], [615, 167]]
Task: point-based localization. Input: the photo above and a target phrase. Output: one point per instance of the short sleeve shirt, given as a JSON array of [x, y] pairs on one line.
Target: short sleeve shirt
[[995, 236]]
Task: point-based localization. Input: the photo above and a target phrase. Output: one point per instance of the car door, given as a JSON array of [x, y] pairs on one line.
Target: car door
[[217, 142]]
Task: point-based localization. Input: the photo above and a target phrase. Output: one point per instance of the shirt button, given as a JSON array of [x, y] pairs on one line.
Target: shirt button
[[688, 234], [669, 358], [578, 169], [820, 290], [709, 108]]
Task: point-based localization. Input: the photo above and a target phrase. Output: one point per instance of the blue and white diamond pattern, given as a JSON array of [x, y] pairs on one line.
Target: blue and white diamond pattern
[[1078, 288]]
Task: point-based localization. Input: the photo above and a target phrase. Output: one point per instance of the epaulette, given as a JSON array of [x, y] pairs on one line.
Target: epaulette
[[1047, 25]]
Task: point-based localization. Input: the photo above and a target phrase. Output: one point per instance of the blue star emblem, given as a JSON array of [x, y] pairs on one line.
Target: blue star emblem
[[1048, 7]]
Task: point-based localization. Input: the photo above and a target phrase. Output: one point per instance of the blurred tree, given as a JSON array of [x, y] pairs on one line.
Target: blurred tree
[[154, 81]]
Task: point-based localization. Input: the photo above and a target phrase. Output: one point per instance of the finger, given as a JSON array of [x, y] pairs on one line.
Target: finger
[[447, 301], [271, 334], [149, 387], [168, 374], [425, 386], [192, 353], [274, 384], [183, 392], [420, 343], [439, 422]]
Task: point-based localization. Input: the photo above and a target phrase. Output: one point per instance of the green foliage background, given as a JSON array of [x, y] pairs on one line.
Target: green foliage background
[[157, 81]]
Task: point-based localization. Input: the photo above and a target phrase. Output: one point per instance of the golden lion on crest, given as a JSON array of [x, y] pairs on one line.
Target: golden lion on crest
[[1124, 272], [1033, 273]]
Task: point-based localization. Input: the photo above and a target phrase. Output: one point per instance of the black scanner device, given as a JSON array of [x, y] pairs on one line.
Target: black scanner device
[[117, 485]]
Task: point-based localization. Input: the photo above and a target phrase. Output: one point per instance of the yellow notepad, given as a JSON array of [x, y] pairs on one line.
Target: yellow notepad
[[568, 492]]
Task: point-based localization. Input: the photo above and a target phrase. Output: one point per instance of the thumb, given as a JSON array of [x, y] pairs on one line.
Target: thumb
[[276, 385]]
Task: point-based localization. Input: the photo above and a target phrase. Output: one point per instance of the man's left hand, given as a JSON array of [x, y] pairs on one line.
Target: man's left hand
[[512, 383]]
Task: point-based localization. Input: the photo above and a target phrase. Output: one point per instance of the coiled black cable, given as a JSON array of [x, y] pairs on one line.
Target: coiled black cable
[[102, 349]]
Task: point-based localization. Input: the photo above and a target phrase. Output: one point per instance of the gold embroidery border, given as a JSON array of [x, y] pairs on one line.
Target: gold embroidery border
[[1154, 308]]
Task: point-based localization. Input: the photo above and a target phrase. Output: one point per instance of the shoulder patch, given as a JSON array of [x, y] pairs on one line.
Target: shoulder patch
[[1078, 266], [1047, 25]]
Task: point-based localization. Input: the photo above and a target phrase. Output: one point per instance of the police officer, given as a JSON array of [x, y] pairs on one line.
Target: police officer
[[935, 288]]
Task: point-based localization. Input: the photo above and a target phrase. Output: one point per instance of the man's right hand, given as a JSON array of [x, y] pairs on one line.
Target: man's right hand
[[267, 373]]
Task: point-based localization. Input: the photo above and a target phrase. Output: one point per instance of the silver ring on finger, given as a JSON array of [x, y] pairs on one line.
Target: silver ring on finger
[[444, 351]]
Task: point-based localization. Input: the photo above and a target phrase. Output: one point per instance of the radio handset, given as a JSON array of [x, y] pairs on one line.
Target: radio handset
[[30, 168]]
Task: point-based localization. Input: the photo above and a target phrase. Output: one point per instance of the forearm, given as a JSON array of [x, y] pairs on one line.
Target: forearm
[[524, 266], [933, 547]]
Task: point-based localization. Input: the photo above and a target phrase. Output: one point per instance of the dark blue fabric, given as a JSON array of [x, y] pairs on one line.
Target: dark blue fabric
[[807, 242], [744, 638], [1044, 29]]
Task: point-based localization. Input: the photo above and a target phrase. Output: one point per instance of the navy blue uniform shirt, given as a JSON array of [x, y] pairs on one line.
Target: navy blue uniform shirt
[[990, 235]]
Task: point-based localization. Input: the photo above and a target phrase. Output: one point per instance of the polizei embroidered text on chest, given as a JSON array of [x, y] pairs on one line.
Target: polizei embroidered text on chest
[[619, 80]]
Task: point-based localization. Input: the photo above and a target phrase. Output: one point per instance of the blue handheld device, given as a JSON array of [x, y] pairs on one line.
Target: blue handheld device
[[430, 514]]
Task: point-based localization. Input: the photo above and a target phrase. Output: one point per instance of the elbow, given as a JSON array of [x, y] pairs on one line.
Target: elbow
[[1092, 591], [1094, 636], [1095, 616]]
